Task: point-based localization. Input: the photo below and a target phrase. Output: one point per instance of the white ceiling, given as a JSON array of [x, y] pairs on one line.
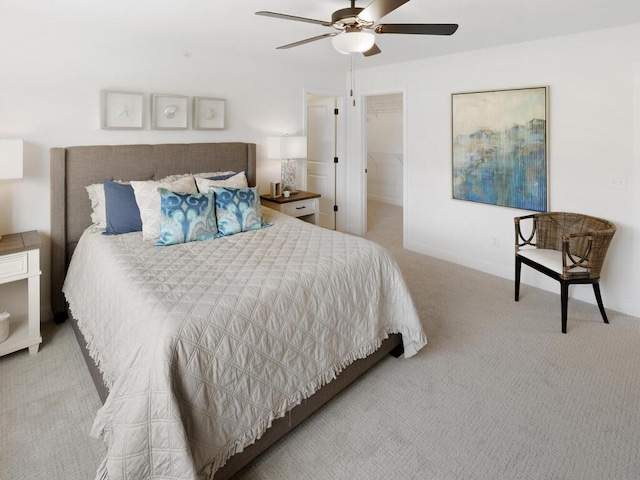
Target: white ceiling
[[232, 24]]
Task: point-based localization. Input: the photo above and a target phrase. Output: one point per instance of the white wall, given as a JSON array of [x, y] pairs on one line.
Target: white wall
[[592, 83], [51, 74], [384, 148]]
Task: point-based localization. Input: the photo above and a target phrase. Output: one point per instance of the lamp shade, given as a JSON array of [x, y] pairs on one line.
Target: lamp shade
[[353, 42], [10, 159], [282, 148]]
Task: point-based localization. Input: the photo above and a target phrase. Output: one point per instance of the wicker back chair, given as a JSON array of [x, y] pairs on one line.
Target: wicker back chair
[[568, 247]]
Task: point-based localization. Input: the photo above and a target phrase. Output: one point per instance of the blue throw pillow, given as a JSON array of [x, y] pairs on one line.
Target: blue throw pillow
[[186, 217], [237, 209], [222, 177], [123, 215]]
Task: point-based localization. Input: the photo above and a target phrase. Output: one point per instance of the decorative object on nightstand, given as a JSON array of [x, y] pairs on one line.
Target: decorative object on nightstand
[[20, 260], [11, 154], [287, 149], [302, 205], [276, 189]]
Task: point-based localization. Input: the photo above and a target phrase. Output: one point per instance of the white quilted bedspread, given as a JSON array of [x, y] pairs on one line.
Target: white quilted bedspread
[[204, 344]]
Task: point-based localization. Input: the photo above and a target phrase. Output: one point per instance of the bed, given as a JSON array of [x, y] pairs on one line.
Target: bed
[[266, 280]]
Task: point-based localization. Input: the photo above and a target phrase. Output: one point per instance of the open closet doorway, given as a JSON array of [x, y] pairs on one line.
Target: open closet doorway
[[384, 148]]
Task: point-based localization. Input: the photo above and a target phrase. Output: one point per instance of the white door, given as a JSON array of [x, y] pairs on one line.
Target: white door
[[321, 150]]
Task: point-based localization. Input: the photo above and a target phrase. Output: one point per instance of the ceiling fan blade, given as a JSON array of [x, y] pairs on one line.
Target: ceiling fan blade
[[372, 51], [293, 17], [308, 40], [379, 8], [418, 28]]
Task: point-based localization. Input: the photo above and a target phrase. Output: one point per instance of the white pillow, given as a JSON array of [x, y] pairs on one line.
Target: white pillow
[[173, 178], [98, 203], [98, 206], [237, 181], [213, 174], [148, 199]]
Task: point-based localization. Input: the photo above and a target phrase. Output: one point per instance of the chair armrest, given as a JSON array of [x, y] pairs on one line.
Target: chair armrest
[[577, 260], [520, 240]]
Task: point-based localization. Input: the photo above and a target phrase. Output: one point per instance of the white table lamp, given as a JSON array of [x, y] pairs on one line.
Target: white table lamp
[[11, 155], [287, 149]]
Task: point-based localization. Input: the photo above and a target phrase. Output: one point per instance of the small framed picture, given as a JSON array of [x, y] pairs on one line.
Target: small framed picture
[[276, 189], [122, 110], [169, 112], [208, 113]]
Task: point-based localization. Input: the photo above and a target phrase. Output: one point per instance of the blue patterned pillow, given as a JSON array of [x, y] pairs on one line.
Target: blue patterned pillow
[[186, 217], [237, 209]]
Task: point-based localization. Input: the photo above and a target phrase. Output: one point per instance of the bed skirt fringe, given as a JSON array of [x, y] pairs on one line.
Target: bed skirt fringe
[[102, 473]]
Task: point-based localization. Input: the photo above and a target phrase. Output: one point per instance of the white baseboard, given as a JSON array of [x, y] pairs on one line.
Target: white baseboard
[[379, 198], [579, 292]]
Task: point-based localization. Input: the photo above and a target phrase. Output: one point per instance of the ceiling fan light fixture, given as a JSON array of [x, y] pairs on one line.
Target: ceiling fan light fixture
[[353, 42]]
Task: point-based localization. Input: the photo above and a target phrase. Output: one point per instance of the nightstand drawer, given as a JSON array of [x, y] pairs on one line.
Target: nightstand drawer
[[12, 265], [302, 207]]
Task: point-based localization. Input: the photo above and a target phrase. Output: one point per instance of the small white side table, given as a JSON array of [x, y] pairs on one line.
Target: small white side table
[[19, 260], [302, 205]]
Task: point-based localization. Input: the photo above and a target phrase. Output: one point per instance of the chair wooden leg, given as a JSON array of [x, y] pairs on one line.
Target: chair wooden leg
[[564, 299], [596, 290], [518, 268]]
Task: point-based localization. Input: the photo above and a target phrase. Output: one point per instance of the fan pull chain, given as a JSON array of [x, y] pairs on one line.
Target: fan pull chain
[[353, 81]]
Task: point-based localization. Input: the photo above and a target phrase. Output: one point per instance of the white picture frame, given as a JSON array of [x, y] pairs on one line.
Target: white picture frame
[[208, 113], [169, 112], [121, 110], [276, 189]]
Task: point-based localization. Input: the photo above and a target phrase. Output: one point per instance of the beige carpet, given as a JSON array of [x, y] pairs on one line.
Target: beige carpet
[[47, 406], [498, 393]]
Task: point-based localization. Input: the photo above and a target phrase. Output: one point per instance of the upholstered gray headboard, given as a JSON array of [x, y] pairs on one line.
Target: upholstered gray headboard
[[73, 168]]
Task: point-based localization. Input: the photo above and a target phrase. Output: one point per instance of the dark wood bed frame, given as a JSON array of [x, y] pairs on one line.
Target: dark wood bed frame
[[73, 168]]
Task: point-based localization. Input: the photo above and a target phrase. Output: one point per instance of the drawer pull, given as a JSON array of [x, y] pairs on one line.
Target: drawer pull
[[301, 208]]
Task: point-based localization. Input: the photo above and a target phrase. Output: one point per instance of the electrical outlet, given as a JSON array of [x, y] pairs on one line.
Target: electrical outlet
[[619, 183], [495, 242]]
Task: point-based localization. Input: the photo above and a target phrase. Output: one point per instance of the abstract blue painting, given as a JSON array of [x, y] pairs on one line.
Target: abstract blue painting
[[500, 147]]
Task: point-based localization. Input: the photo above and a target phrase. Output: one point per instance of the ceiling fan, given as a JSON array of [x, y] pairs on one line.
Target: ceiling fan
[[355, 24]]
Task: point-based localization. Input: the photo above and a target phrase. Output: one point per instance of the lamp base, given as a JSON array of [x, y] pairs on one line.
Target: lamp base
[[288, 174]]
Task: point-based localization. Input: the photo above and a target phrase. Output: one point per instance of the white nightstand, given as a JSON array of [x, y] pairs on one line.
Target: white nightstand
[[20, 260], [303, 205]]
